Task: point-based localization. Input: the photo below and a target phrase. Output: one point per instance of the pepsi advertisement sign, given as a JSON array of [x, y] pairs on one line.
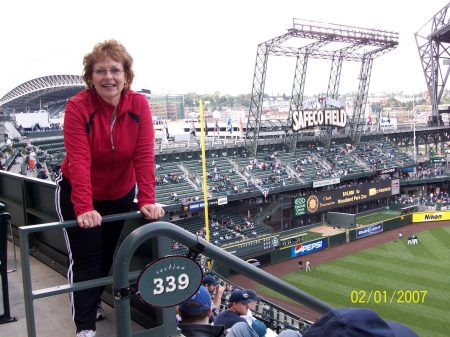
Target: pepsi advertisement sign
[[308, 248], [366, 231]]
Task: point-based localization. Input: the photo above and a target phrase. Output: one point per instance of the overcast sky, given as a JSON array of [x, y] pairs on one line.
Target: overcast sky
[[181, 46]]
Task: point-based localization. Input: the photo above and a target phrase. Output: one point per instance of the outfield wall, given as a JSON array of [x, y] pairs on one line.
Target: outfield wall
[[382, 226], [337, 240]]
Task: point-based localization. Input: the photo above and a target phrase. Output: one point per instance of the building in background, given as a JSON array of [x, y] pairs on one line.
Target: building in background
[[166, 107]]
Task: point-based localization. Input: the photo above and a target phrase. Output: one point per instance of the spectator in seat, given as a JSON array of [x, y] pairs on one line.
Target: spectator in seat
[[258, 326], [356, 322], [195, 314], [42, 174], [32, 160], [237, 306], [216, 292], [252, 306]]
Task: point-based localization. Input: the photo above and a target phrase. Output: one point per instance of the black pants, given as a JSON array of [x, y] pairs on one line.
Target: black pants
[[90, 250]]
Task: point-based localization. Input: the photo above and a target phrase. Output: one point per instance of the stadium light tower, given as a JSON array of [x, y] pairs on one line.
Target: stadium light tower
[[337, 43], [433, 43]]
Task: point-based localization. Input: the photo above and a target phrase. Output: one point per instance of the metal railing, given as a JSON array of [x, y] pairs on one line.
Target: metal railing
[[5, 316], [122, 276], [29, 294], [193, 242]]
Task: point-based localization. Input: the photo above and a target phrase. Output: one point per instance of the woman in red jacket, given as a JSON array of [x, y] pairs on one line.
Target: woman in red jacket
[[109, 139]]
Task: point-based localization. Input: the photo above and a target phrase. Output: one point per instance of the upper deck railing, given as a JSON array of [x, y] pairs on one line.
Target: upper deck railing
[[121, 272]]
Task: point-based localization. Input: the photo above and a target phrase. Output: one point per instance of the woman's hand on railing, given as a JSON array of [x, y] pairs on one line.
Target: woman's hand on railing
[[89, 219], [152, 211]]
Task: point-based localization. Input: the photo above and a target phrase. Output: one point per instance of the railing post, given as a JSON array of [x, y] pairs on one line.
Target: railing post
[[4, 221]]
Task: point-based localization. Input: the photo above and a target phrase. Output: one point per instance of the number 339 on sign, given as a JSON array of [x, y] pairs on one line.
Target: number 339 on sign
[[170, 284], [169, 281]]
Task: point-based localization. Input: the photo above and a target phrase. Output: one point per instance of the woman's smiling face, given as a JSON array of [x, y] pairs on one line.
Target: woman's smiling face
[[108, 78]]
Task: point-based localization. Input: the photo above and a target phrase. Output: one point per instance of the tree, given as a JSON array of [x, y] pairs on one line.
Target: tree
[[393, 102], [190, 99]]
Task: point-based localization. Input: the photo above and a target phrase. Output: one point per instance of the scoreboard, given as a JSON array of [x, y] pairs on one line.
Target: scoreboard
[[251, 247], [340, 197]]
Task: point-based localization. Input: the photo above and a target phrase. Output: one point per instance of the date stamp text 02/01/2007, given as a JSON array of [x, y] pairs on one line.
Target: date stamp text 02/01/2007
[[385, 296]]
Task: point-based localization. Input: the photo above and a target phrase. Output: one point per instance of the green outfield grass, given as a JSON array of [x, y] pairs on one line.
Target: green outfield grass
[[382, 273], [376, 217]]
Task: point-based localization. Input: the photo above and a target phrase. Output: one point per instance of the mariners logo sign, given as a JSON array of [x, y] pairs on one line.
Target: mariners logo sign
[[312, 204]]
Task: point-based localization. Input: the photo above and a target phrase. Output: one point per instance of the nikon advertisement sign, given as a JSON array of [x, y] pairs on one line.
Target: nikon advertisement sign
[[323, 111], [430, 216], [343, 197]]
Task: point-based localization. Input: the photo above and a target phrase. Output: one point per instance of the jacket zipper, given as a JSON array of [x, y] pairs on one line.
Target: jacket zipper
[[111, 133]]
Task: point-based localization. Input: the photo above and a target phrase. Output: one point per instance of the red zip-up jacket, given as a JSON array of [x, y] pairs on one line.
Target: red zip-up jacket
[[103, 161]]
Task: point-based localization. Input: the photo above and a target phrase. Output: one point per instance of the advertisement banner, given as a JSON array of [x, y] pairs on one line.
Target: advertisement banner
[[299, 206], [333, 199], [222, 201], [370, 230], [430, 216], [198, 205], [387, 171], [326, 182], [308, 248], [195, 206], [395, 184]]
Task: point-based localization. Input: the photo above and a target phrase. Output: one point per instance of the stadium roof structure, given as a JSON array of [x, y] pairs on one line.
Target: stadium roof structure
[[32, 94]]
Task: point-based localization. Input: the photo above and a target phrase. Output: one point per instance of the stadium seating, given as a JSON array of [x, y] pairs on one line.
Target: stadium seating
[[173, 185]]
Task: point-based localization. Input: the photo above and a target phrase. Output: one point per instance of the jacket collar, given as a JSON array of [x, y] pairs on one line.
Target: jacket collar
[[98, 103]]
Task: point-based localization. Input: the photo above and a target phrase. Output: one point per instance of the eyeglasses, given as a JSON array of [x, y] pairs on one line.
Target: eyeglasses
[[113, 71]]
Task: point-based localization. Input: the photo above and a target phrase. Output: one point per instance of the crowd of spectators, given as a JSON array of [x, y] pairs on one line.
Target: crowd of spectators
[[205, 315], [431, 199], [173, 177], [425, 170], [6, 153], [380, 155], [268, 172], [271, 170], [224, 229]]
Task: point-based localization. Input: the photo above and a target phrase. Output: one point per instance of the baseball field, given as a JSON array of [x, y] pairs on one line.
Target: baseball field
[[402, 282]]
